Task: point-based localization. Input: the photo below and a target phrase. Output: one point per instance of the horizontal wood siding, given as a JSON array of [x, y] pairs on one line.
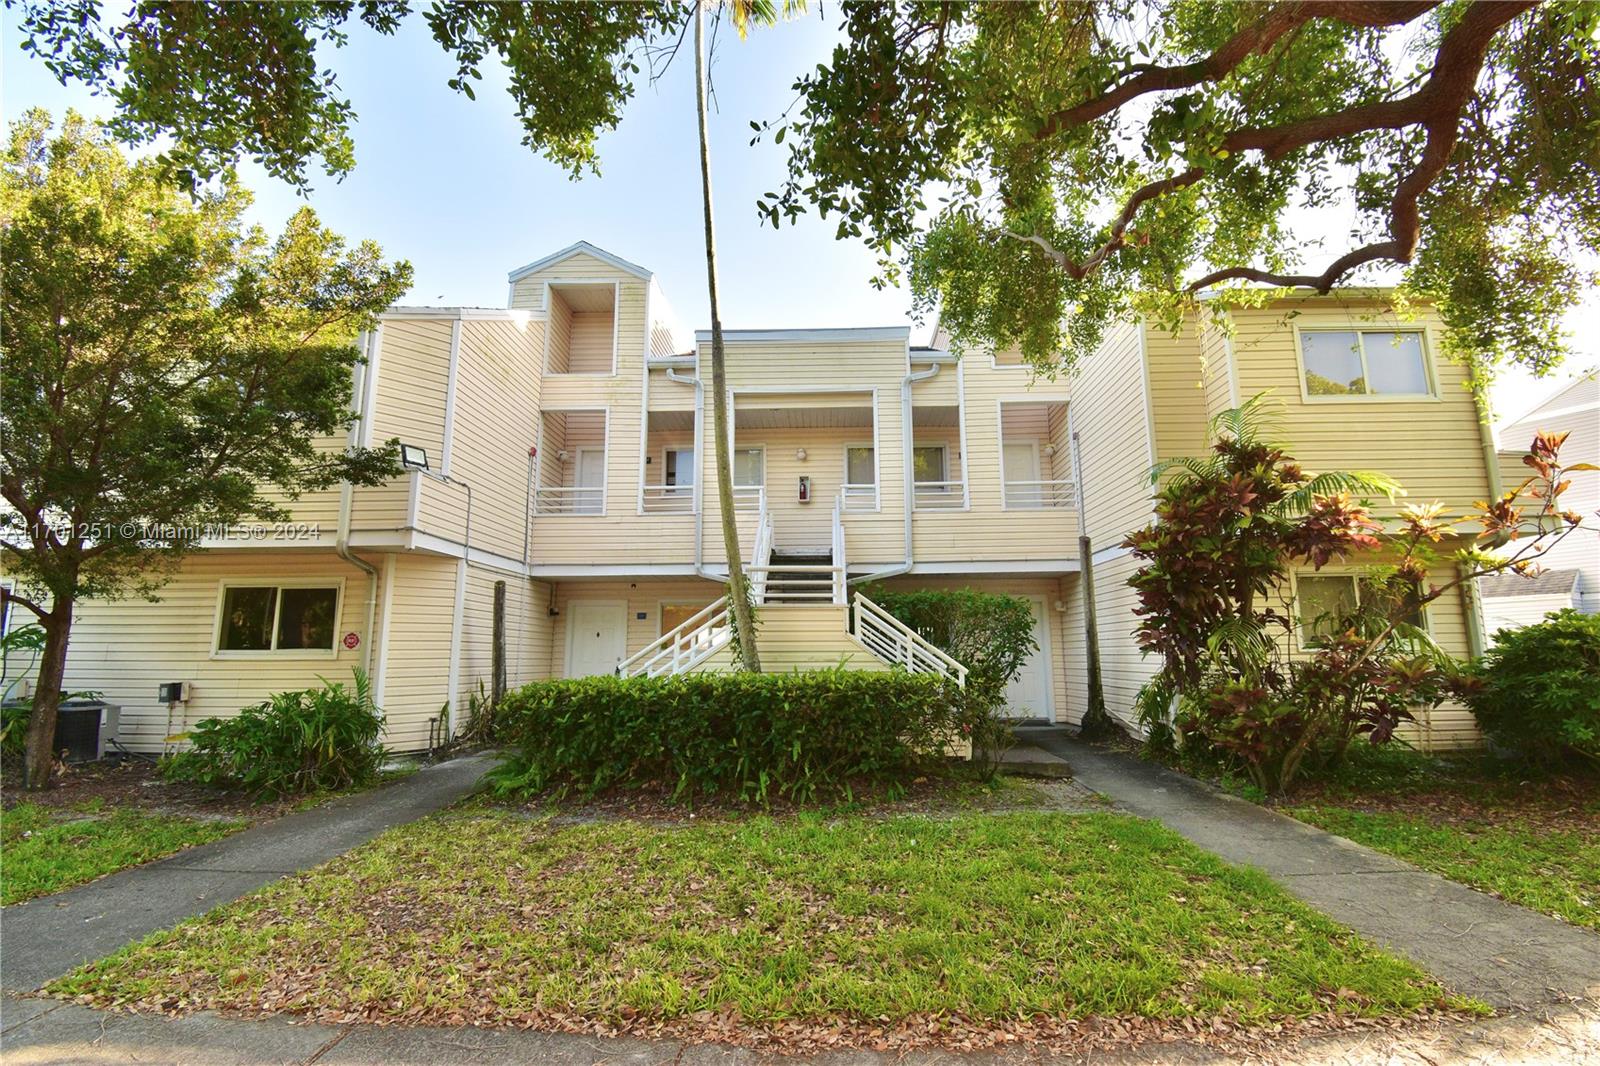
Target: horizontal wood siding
[[126, 648], [1432, 446], [1114, 447]]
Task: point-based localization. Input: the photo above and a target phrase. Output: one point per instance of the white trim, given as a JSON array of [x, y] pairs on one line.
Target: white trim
[[812, 336], [566, 609], [1528, 421], [450, 398], [616, 321], [414, 500], [370, 386], [461, 314], [1425, 342], [1039, 567], [1106, 555], [1149, 403], [548, 571], [381, 666], [416, 540], [961, 428], [453, 675], [274, 654], [1233, 365], [579, 248], [1046, 621], [1353, 571], [644, 382]]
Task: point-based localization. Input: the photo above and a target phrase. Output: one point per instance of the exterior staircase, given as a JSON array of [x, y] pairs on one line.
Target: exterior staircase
[[806, 620]]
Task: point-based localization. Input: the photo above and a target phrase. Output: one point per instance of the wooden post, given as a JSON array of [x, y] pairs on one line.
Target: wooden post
[[499, 682]]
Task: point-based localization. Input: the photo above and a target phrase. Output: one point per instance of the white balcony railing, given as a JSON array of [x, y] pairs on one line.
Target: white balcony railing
[[898, 644], [669, 499], [939, 495], [863, 497], [1034, 495], [569, 499], [749, 498], [798, 584]]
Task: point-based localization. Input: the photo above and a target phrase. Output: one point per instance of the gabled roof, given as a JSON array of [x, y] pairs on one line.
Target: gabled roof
[[1580, 394], [581, 248], [1548, 583]]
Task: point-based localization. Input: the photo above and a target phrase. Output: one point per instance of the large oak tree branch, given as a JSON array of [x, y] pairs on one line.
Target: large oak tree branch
[[1256, 39]]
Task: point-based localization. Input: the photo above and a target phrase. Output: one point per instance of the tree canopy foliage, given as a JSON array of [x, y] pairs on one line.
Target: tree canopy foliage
[[166, 370], [1044, 167]]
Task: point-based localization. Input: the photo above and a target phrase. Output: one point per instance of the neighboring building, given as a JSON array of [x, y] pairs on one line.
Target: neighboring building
[[569, 444], [1511, 600], [1574, 409]]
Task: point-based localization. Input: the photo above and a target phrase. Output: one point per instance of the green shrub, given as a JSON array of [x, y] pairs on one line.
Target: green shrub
[[744, 735], [1537, 689], [294, 742], [989, 633]]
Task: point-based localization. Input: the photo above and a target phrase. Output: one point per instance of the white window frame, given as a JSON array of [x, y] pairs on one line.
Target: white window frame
[[1428, 370], [1354, 573], [733, 449], [844, 478], [274, 653], [944, 463]]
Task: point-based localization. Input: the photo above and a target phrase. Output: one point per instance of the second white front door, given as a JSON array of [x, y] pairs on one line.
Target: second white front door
[[597, 636], [590, 497], [1028, 694]]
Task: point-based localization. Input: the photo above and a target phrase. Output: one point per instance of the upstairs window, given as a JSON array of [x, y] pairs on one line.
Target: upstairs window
[[1326, 604], [1364, 362], [749, 468], [270, 618], [860, 465]]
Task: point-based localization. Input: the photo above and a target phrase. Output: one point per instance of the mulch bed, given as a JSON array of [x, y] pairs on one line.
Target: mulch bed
[[1551, 803], [136, 785]]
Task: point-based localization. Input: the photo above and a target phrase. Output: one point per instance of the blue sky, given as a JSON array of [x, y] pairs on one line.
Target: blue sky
[[445, 182]]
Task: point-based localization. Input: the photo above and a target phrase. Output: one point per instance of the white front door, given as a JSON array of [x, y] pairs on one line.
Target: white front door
[[590, 499], [1021, 464], [597, 636], [1028, 694]]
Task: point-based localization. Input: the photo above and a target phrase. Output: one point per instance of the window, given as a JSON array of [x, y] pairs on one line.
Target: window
[[1347, 362], [267, 618], [750, 468], [679, 467], [1325, 604], [860, 465], [927, 463]]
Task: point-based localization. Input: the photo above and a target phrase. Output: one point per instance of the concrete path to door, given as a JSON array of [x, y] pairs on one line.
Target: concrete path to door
[[1477, 945], [53, 935]]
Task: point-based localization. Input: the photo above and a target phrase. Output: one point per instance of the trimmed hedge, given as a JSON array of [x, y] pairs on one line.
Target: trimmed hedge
[[745, 735]]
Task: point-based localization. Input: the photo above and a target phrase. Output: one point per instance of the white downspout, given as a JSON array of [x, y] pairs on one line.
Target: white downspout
[[359, 398], [909, 469]]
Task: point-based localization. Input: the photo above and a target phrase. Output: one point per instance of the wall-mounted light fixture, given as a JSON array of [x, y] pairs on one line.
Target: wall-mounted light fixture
[[1049, 450], [413, 458], [800, 455]]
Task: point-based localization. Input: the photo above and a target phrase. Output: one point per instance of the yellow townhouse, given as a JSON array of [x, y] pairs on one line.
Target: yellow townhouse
[[556, 505]]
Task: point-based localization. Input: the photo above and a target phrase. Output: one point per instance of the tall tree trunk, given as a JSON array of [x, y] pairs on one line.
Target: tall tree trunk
[[40, 753], [738, 590]]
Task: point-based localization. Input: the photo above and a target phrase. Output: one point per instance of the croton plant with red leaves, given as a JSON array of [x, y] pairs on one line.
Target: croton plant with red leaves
[[1229, 527]]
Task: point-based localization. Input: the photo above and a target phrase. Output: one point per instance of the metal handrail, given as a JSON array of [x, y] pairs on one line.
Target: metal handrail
[[569, 500], [938, 495], [839, 565], [668, 499], [859, 497], [1026, 495], [683, 647], [898, 644]]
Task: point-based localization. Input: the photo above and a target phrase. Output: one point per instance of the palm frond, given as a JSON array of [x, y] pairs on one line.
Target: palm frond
[[1355, 482], [1199, 468], [1243, 642], [1252, 421]]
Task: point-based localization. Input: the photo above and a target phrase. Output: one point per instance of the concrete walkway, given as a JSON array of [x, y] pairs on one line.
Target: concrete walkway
[[1477, 945], [48, 937]]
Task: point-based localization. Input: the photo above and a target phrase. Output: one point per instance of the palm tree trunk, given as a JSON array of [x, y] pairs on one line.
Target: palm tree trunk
[[738, 590]]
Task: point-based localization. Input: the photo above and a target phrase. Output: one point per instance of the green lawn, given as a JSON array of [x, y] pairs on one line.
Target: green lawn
[[46, 850], [490, 917], [1550, 870]]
